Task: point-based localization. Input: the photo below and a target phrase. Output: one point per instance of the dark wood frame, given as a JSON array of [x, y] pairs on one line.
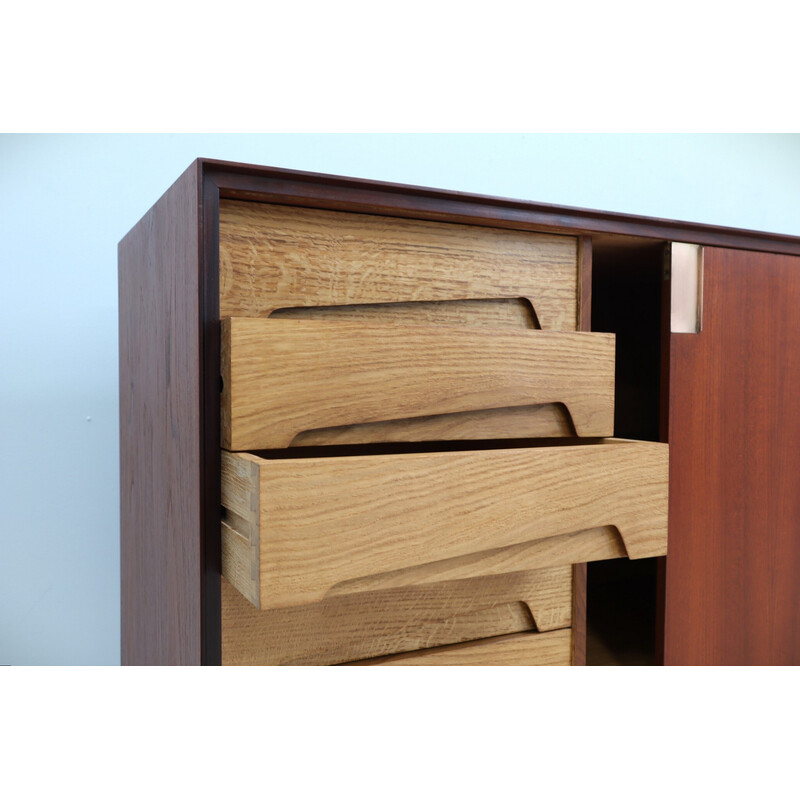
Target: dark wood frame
[[169, 414]]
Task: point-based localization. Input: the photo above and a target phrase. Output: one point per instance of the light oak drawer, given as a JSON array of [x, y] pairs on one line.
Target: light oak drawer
[[296, 530], [288, 259], [290, 382], [522, 649], [370, 624]]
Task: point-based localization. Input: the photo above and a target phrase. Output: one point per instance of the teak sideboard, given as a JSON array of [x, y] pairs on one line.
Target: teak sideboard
[[366, 423]]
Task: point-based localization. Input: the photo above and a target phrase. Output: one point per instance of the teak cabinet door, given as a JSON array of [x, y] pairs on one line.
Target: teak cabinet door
[[732, 587]]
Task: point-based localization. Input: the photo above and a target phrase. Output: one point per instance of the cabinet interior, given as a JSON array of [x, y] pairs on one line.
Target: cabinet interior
[[630, 296]]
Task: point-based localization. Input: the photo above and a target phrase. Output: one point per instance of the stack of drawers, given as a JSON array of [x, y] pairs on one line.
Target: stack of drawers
[[413, 442]]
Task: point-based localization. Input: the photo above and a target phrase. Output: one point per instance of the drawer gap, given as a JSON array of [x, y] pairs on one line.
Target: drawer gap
[[506, 312], [397, 448], [531, 421]]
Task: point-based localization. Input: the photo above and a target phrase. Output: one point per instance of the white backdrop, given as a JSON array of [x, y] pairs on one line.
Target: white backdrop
[[66, 201]]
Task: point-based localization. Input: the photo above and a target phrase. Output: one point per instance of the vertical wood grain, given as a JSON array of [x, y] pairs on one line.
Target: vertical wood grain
[[160, 432], [210, 544], [585, 283], [732, 588], [580, 571], [579, 581], [661, 566]]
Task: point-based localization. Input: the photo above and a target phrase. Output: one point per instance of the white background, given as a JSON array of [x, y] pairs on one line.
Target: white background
[[346, 66]]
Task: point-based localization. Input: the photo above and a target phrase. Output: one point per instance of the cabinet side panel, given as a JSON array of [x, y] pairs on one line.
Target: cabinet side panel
[[732, 591], [160, 458]]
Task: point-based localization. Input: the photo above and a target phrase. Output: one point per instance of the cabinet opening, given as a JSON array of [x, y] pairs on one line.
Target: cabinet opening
[[630, 296], [622, 613]]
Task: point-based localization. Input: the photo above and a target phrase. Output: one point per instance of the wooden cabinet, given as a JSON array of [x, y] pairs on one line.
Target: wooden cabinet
[[732, 586], [386, 415]]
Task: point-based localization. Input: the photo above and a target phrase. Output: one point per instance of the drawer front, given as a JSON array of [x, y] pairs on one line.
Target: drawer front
[[516, 650], [313, 526], [350, 328], [279, 257], [370, 624], [309, 382]]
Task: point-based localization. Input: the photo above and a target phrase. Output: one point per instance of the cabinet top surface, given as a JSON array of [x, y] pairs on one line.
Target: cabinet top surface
[[224, 179]]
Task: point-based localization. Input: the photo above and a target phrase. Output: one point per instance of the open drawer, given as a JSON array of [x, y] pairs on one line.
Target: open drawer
[[298, 530], [309, 382]]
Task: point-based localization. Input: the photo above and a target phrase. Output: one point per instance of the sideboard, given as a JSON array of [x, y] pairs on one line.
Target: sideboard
[[367, 423]]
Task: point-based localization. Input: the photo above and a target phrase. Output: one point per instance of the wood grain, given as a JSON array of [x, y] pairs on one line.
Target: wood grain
[[240, 539], [378, 623], [579, 571], [285, 377], [585, 273], [240, 523], [275, 257], [732, 589], [240, 563], [324, 521], [515, 650], [161, 452], [595, 544], [579, 613]]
